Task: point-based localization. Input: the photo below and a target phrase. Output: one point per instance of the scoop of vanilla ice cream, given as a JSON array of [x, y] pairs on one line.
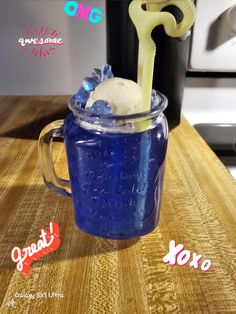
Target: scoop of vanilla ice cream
[[124, 96]]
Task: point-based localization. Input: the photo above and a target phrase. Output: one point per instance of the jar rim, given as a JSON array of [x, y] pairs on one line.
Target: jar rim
[[154, 112]]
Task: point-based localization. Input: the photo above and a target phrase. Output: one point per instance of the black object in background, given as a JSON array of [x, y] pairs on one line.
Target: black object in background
[[171, 57]]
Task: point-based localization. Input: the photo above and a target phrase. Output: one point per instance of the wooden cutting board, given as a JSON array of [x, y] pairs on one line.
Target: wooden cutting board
[[92, 275]]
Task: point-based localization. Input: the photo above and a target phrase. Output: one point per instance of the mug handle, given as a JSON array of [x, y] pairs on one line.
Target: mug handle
[[52, 181]]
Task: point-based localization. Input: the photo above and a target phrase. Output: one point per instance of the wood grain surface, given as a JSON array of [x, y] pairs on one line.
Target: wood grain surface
[[100, 276]]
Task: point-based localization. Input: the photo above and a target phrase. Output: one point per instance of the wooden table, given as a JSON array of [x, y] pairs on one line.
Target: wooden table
[[100, 276]]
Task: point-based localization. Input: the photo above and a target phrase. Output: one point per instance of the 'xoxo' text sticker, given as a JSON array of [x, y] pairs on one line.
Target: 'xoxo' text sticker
[[179, 255]]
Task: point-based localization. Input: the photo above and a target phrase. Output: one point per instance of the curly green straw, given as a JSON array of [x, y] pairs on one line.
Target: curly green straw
[[145, 22]]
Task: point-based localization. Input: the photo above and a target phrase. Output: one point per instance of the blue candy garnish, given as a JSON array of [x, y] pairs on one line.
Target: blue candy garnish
[[155, 100], [97, 73], [82, 95], [79, 100], [90, 83], [75, 104], [101, 107], [106, 72]]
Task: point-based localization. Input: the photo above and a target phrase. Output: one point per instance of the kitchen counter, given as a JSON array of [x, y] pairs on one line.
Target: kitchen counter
[[87, 274]]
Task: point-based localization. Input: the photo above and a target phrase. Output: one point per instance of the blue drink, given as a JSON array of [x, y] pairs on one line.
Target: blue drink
[[116, 178], [116, 167]]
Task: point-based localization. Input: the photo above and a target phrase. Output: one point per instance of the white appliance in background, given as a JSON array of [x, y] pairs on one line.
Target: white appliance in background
[[210, 102], [213, 45]]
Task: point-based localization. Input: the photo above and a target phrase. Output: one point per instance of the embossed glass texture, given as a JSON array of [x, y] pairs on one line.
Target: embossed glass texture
[[116, 168]]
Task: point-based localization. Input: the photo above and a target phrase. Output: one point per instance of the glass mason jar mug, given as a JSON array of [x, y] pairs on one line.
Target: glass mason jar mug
[[116, 167]]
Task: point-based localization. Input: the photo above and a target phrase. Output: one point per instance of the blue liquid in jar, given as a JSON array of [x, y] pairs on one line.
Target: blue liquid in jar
[[116, 179]]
